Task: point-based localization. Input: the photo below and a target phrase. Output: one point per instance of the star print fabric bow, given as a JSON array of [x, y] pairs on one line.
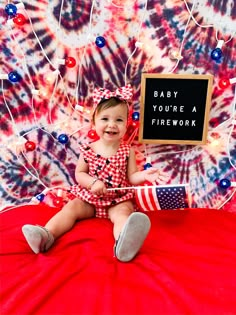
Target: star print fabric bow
[[123, 93]]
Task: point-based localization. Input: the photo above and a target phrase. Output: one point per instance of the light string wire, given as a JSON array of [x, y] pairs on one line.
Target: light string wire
[[137, 42], [183, 39], [83, 54], [228, 40], [45, 55], [29, 171], [33, 87], [25, 67], [50, 104], [5, 208], [55, 67], [18, 134], [192, 17], [227, 200], [9, 111], [58, 28]]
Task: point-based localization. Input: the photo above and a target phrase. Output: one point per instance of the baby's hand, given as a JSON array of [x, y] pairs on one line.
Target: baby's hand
[[98, 188], [152, 175]]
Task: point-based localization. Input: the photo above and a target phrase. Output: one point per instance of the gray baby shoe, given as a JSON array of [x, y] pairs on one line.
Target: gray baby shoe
[[38, 237], [132, 236]]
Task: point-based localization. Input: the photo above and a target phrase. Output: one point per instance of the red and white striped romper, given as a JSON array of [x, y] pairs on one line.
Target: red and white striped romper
[[113, 172]]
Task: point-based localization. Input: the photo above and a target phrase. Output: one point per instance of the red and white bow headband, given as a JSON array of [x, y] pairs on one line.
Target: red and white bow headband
[[123, 93]]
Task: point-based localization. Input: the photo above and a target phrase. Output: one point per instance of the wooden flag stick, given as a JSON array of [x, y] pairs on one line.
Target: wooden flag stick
[[144, 187]]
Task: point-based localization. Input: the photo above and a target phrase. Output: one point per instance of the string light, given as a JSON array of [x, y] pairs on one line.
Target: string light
[[79, 107], [174, 54], [100, 41], [135, 116], [225, 82], [63, 138], [40, 197], [225, 183], [11, 9], [35, 92], [148, 163], [68, 62], [216, 53], [139, 45], [92, 134], [30, 146], [58, 199], [19, 19], [14, 76], [50, 77]]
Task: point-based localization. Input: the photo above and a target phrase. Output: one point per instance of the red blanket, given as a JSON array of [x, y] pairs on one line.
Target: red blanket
[[186, 266]]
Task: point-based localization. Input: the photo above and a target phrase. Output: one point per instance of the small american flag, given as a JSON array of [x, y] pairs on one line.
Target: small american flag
[[153, 198]]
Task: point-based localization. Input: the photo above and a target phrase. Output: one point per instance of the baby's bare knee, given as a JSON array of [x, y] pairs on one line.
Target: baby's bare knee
[[79, 209], [122, 209]]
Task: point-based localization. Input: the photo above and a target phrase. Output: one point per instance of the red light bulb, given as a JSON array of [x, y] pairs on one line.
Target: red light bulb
[[147, 183], [70, 62], [30, 146], [92, 134], [135, 124], [19, 19], [58, 202], [224, 83]]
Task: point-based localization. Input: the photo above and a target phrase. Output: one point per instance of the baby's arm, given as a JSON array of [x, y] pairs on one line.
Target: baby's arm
[[138, 177], [85, 180]]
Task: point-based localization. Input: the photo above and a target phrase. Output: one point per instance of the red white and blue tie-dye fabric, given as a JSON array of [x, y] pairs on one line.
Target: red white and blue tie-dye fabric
[[68, 30]]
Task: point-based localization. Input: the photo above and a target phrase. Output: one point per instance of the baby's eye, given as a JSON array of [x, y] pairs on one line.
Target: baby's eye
[[104, 118], [119, 119]]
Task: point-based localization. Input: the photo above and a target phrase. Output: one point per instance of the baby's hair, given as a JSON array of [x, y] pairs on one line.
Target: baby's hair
[[107, 103]]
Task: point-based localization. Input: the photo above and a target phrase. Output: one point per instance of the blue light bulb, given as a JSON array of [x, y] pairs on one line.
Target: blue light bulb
[[40, 197], [11, 9], [100, 41], [135, 116], [225, 183], [63, 138], [14, 76], [147, 165], [216, 54]]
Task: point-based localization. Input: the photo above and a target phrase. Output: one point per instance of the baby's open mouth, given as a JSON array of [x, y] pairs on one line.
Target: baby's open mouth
[[111, 132]]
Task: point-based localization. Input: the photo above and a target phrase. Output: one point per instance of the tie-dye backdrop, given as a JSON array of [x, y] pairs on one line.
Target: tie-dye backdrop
[[141, 36]]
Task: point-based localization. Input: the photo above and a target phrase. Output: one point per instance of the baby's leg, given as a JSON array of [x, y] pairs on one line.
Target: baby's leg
[[64, 220], [130, 230], [118, 215], [41, 238]]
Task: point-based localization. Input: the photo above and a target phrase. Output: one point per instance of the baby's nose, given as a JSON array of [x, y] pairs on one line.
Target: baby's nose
[[112, 123]]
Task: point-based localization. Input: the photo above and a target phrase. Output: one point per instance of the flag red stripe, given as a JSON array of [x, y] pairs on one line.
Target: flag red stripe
[[152, 200], [144, 199]]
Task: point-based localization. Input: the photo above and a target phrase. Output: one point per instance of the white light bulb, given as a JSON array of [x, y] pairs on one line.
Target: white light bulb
[[3, 76], [139, 44]]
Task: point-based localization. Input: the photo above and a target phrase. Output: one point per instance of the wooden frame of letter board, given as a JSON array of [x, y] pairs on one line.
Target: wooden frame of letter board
[[175, 76]]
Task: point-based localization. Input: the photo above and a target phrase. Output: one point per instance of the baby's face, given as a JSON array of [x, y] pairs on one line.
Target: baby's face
[[111, 123]]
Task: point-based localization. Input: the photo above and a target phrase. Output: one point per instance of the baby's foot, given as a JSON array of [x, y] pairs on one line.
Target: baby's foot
[[132, 236], [38, 237]]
